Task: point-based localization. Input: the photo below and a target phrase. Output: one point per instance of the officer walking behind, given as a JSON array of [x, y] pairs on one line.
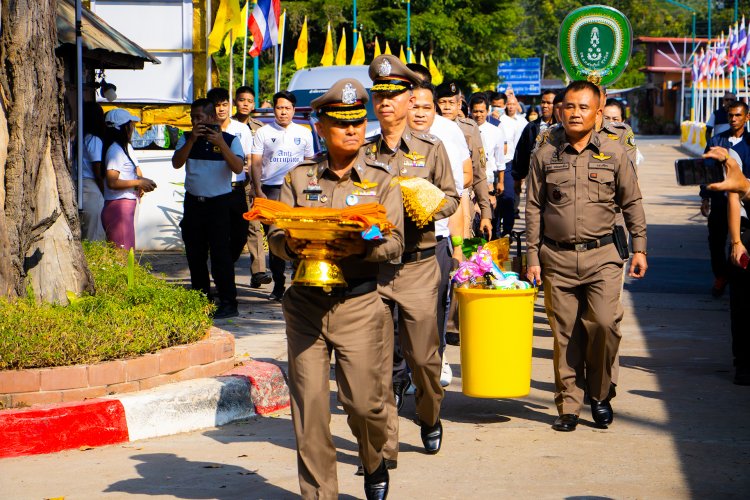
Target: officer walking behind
[[576, 180], [348, 321], [211, 157], [244, 99], [411, 287]]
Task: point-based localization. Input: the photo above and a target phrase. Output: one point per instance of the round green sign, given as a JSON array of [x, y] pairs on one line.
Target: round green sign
[[595, 43]]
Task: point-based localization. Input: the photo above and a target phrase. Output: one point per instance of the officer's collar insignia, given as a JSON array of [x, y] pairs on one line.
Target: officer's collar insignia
[[613, 137], [365, 184], [384, 69], [348, 94], [414, 156], [601, 156]]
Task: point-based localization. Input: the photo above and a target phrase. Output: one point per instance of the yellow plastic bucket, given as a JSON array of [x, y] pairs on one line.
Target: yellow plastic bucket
[[496, 328]]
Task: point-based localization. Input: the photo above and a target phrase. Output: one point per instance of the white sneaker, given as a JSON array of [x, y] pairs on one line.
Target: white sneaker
[[446, 375]]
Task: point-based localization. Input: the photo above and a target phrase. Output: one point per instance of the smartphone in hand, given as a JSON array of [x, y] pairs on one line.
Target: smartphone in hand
[[697, 171]]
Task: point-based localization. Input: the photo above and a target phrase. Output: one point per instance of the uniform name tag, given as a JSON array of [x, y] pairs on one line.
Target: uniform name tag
[[555, 166], [602, 166], [311, 197]]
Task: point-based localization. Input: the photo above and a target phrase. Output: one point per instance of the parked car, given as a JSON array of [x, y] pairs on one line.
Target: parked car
[[309, 83]]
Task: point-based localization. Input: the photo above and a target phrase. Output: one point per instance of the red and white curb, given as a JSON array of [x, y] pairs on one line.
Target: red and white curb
[[254, 388]]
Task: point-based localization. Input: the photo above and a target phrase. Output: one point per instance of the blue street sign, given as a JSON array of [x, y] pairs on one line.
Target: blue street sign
[[523, 75]]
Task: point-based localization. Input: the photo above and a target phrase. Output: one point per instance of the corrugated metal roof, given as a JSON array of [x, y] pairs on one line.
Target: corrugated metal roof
[[101, 42]]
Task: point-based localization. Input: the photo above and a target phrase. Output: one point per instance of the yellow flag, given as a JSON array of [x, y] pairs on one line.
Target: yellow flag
[[387, 49], [377, 48], [226, 19], [238, 28], [300, 54], [358, 58], [327, 58], [422, 60], [437, 76], [282, 23], [341, 53], [402, 56]]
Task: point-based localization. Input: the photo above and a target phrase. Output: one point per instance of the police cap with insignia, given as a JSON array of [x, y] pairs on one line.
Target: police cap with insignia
[[345, 101], [390, 76], [447, 89]]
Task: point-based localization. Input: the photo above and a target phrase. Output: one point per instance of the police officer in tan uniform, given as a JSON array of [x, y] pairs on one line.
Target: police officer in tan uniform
[[348, 321], [576, 180], [447, 99], [411, 287]]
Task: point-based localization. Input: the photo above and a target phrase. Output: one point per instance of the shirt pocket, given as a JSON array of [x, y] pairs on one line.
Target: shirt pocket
[[601, 184], [559, 188]]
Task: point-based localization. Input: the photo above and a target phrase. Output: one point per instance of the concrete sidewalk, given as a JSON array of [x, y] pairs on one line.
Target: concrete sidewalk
[[681, 428]]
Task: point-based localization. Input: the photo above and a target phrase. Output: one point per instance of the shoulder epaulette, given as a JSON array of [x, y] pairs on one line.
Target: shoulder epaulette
[[427, 138]]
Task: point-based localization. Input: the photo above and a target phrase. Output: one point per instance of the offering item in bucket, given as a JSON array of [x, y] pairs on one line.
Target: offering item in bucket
[[422, 199], [320, 227], [499, 249]]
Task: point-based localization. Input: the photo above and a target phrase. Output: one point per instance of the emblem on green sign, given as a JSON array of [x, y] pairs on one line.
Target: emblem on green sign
[[595, 43]]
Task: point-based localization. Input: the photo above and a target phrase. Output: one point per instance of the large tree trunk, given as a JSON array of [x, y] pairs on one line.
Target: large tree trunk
[[40, 243]]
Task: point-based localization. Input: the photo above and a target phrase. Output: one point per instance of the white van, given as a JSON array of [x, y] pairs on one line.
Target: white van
[[309, 83]]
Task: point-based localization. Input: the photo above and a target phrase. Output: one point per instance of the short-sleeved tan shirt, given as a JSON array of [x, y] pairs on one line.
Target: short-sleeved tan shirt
[[313, 184], [417, 155], [572, 196]]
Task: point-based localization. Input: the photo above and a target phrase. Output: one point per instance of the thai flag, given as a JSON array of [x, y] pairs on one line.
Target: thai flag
[[742, 49], [703, 74], [264, 25], [696, 69], [734, 53]]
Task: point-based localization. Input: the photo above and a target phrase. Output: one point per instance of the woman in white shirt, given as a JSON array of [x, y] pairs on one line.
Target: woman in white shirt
[[93, 177], [123, 182]]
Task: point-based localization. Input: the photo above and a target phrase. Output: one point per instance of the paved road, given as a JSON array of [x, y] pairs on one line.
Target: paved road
[[681, 428]]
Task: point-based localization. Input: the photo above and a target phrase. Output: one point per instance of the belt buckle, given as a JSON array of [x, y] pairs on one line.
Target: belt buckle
[[581, 247]]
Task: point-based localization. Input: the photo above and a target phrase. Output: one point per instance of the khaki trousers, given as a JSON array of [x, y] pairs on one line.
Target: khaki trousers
[[412, 288], [582, 299], [255, 248], [255, 239], [353, 328]]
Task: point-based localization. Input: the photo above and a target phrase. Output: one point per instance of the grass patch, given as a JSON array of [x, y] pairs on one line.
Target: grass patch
[[120, 321]]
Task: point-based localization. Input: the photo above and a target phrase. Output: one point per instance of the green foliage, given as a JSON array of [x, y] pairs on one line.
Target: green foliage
[[118, 322], [469, 37]]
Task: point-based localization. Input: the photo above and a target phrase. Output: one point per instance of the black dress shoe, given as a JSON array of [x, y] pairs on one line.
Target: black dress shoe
[[601, 412], [432, 437], [376, 484], [452, 338], [257, 280], [389, 464], [399, 393], [226, 310], [566, 423]]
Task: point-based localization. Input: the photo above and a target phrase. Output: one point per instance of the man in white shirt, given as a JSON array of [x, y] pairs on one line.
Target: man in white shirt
[[493, 140], [512, 125], [277, 148]]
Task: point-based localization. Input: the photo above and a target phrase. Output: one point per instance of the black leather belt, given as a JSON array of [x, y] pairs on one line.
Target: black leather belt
[[354, 287], [238, 184], [204, 199], [580, 247], [417, 256]]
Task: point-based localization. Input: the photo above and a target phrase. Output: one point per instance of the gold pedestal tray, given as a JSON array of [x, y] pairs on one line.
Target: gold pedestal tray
[[317, 267]]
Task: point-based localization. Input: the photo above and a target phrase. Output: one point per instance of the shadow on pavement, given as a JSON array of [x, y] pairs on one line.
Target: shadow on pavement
[[169, 474]]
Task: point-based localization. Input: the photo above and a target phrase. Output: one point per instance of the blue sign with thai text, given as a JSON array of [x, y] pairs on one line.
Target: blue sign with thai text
[[523, 75]]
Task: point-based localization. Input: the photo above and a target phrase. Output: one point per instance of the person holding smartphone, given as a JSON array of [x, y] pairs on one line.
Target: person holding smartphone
[[123, 182], [714, 205], [210, 157], [738, 187]]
